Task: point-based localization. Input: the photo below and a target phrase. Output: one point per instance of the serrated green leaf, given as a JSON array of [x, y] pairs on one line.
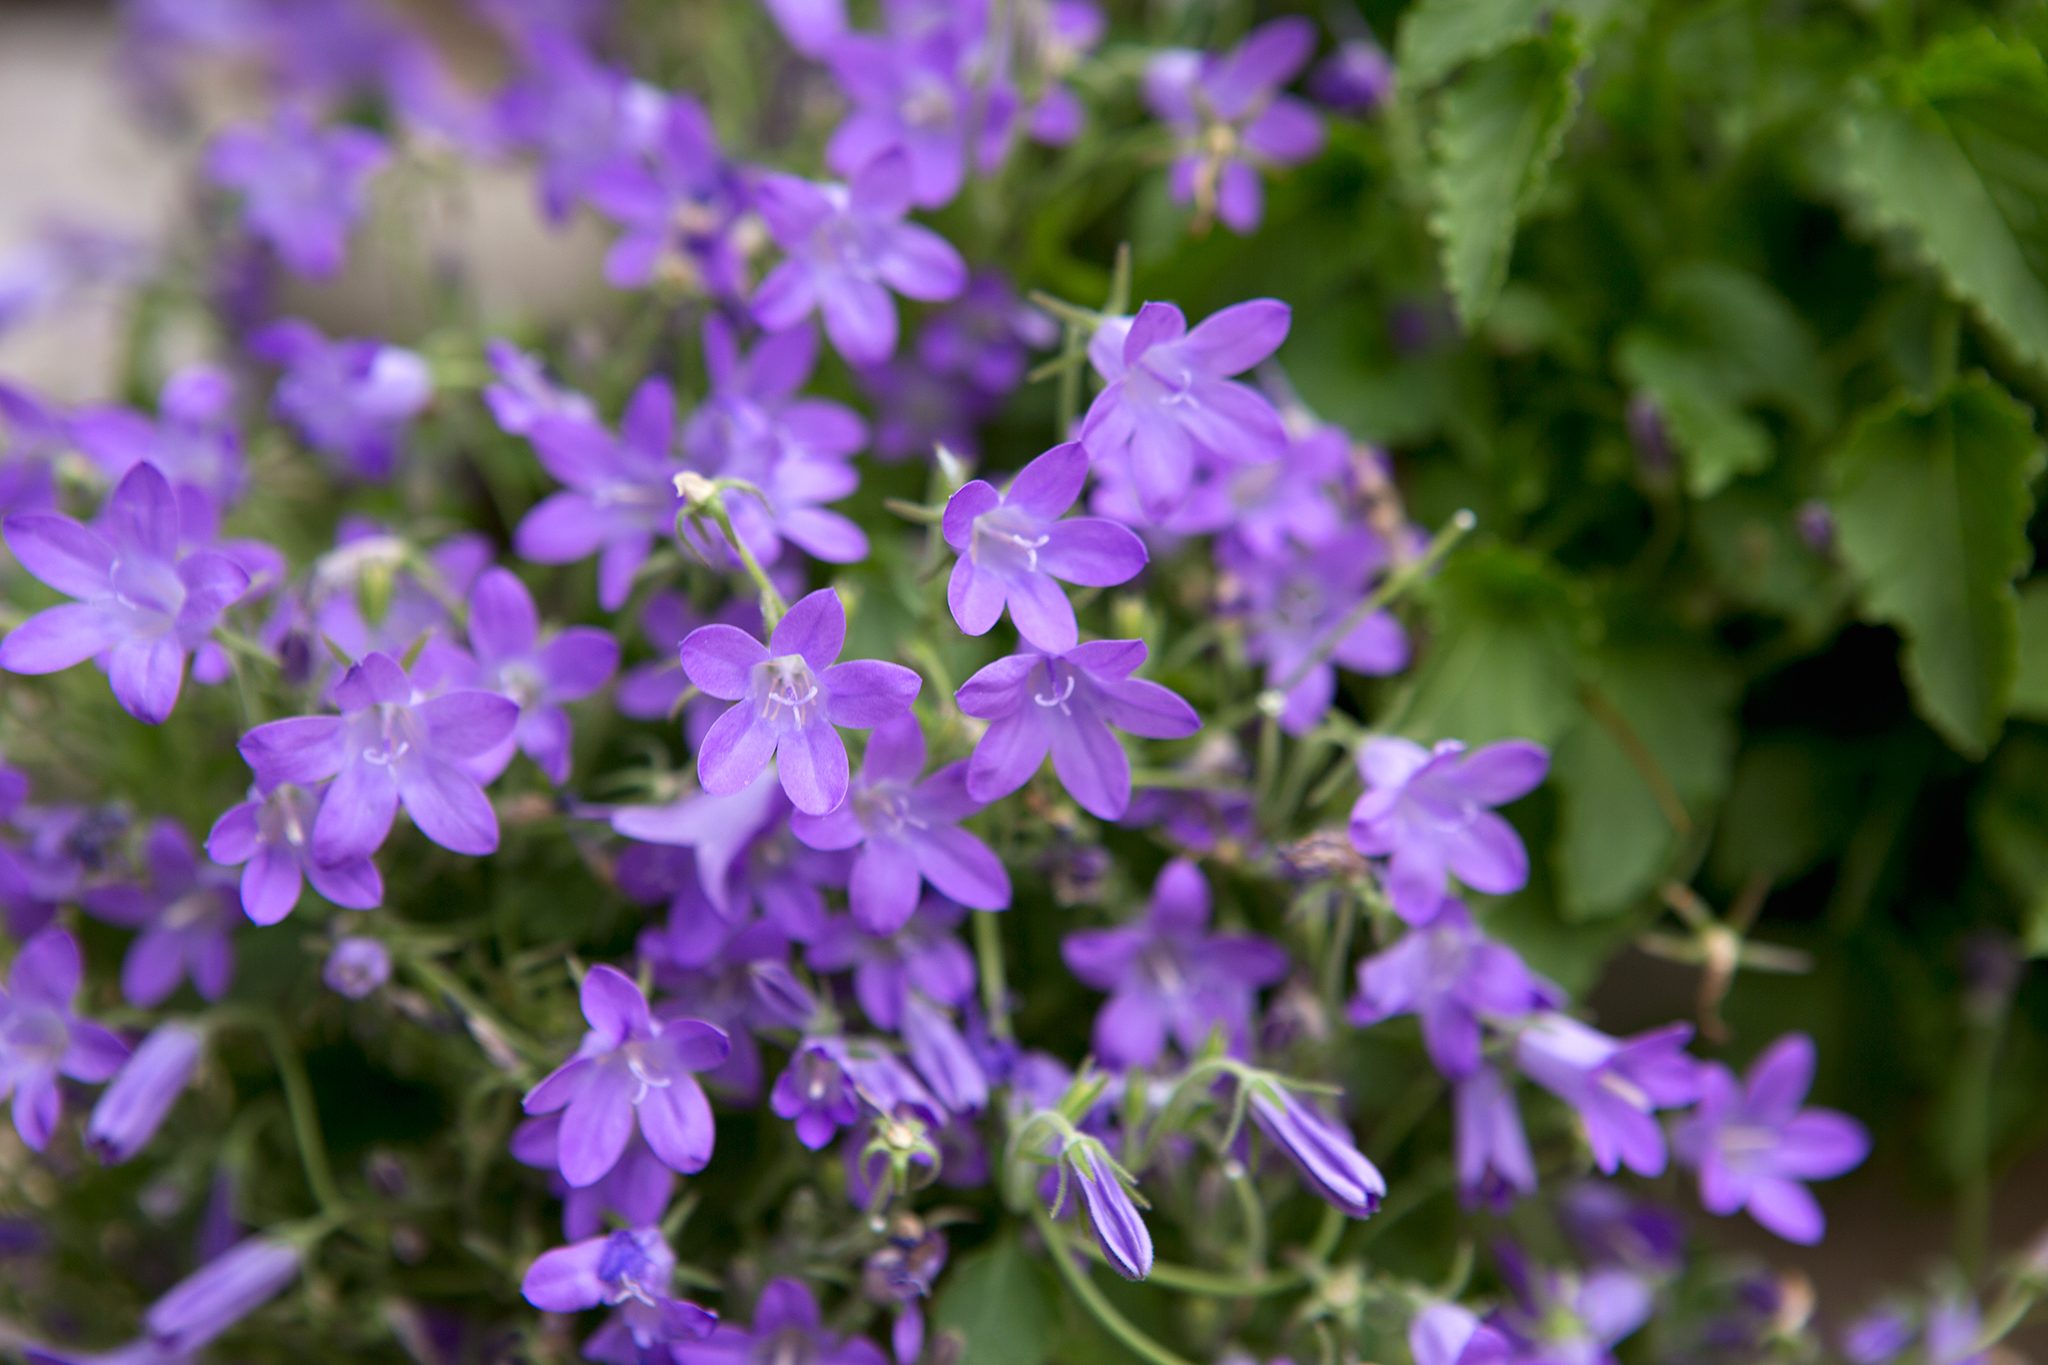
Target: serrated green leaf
[[2030, 682], [1439, 36], [1502, 662], [1501, 124], [1718, 440], [1931, 504], [1953, 152], [997, 1300]]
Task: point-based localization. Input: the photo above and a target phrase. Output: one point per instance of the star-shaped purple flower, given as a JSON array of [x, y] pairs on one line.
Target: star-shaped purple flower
[[906, 832], [631, 1066], [848, 247], [504, 637], [1168, 977], [140, 600], [302, 186], [1490, 1146], [1065, 704], [269, 836], [1013, 546], [1169, 407], [1617, 1085], [631, 1270], [41, 1038], [678, 202], [1428, 812], [791, 695], [1754, 1146], [1453, 978], [913, 93], [787, 1326], [192, 441], [352, 400], [185, 915]]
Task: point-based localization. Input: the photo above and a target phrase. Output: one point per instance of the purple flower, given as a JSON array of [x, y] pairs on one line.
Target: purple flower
[[523, 394], [906, 832], [193, 443], [922, 958], [1320, 1148], [134, 1104], [356, 967], [1168, 977], [388, 747], [1292, 602], [787, 1326], [220, 1294], [631, 1065], [1451, 1334], [1754, 1146], [1616, 1085], [1231, 120], [1357, 78], [186, 915], [1569, 1317], [352, 399], [619, 491], [302, 186], [269, 836], [579, 115], [630, 1270], [1066, 704], [918, 410], [913, 94], [1453, 978], [1169, 406], [41, 1039], [848, 246], [679, 203], [815, 1092], [1013, 545], [1112, 1212], [504, 635], [1067, 32], [139, 600], [986, 336], [1495, 1166], [59, 263], [943, 1057], [790, 696], [1428, 811], [636, 1190]]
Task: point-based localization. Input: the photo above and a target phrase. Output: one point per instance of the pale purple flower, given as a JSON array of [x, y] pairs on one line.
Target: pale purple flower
[[356, 967], [41, 1038], [848, 247], [1358, 78], [1067, 33], [269, 836], [678, 202], [917, 410], [943, 1057], [192, 441], [914, 94], [1451, 1334], [220, 1294], [1065, 704], [815, 1092], [1616, 1085], [904, 828], [388, 747], [303, 187], [1495, 1166], [1569, 1317], [33, 436], [60, 262], [1948, 1335], [1429, 813], [635, 1191], [1169, 407], [185, 915], [1454, 979], [1013, 545], [922, 958], [136, 1101], [1320, 1148], [513, 661], [630, 1270], [986, 336], [1170, 978], [578, 115], [631, 1066], [1111, 1211], [619, 491], [787, 1326], [1231, 120], [523, 394], [790, 696], [352, 400], [1292, 603], [1754, 1146], [139, 600]]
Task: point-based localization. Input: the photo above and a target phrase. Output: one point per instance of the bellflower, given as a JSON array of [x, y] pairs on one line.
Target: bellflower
[[631, 1270], [914, 94], [220, 1294], [504, 637], [1169, 978], [1106, 1197], [523, 394], [678, 202], [787, 1326], [41, 1038], [356, 967], [269, 836], [1292, 603], [631, 1066], [185, 915], [986, 336], [1169, 406], [790, 696], [139, 601], [302, 187], [578, 115], [1428, 811], [1494, 1164], [906, 833], [351, 400], [1320, 1148], [1357, 78], [848, 246], [136, 1101], [943, 1058], [388, 748], [1451, 1334], [1754, 1146], [816, 1091], [1453, 979], [192, 442], [619, 491], [1066, 704], [636, 1190], [1067, 32], [1568, 1316], [1616, 1085], [922, 958], [1013, 546], [1231, 119]]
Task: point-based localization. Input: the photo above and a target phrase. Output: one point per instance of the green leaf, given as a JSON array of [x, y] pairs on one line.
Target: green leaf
[[997, 1300], [1720, 442], [1503, 662], [2010, 820], [2030, 684], [1439, 36], [1931, 504], [1642, 770], [1952, 151], [1500, 125]]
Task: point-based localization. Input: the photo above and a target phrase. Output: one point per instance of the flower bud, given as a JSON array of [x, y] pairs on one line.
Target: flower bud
[[133, 1106]]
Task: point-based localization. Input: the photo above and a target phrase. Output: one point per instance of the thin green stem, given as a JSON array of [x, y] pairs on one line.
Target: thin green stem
[[1212, 1283], [1118, 1326], [305, 1119], [995, 986], [772, 604], [437, 978], [1978, 1070]]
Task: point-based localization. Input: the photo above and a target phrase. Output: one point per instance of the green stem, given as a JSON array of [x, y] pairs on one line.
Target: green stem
[[772, 604], [1212, 1283], [995, 987], [1978, 1070], [305, 1119], [1091, 1298], [437, 978]]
